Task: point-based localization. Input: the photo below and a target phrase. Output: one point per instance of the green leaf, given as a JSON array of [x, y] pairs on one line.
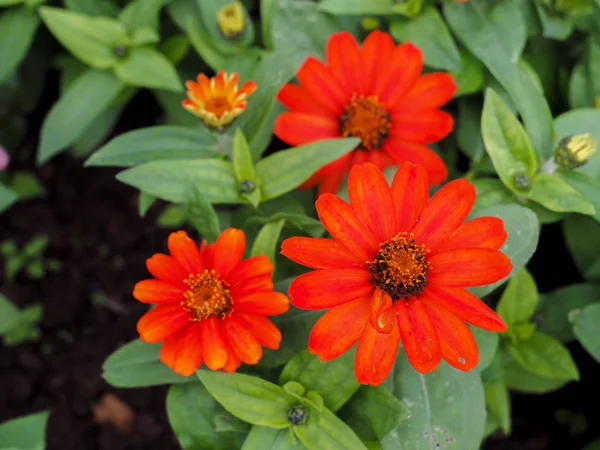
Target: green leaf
[[581, 121], [141, 13], [429, 32], [498, 402], [582, 235], [4, 3], [519, 379], [373, 412], [487, 343], [267, 238], [173, 180], [204, 217], [17, 30], [554, 27], [477, 32], [156, 143], [242, 158], [444, 404], [192, 414], [146, 35], [587, 186], [26, 185], [265, 438], [10, 316], [173, 216], [147, 67], [519, 299], [506, 142], [137, 364], [585, 328], [285, 170], [7, 197], [93, 7], [557, 306], [324, 429], [545, 356], [90, 39], [249, 398], [304, 223], [372, 7], [144, 203], [333, 380], [507, 23], [523, 231], [267, 8], [24, 433], [85, 100], [556, 195], [470, 78], [175, 47], [35, 247]]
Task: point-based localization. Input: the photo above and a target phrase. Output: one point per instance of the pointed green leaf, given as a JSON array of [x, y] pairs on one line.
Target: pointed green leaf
[[582, 235], [556, 195], [487, 343], [519, 379], [265, 438], [144, 203], [7, 197], [267, 239], [242, 158], [586, 329], [24, 433], [519, 299], [141, 13], [147, 67], [17, 30], [587, 186], [10, 316], [498, 402], [204, 217]]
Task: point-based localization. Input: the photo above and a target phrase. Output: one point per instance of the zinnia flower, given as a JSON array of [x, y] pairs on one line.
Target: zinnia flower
[[396, 270], [218, 101], [211, 304], [375, 93]]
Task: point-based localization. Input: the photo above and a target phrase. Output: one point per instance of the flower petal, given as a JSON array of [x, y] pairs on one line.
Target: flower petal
[[330, 183], [465, 306], [233, 362], [262, 303], [300, 128], [342, 222], [331, 287], [418, 154], [249, 268], [253, 285], [339, 328], [468, 267], [229, 250], [343, 60], [183, 351], [424, 127], [483, 232], [156, 291], [297, 99], [419, 337], [213, 343], [371, 198], [165, 268], [381, 303], [322, 85], [375, 54], [244, 344], [376, 353], [319, 253], [410, 192], [405, 76], [457, 343], [430, 91], [161, 322], [262, 329], [445, 212], [185, 252]]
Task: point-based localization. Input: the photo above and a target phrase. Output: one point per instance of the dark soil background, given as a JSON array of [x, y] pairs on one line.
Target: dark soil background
[[94, 230]]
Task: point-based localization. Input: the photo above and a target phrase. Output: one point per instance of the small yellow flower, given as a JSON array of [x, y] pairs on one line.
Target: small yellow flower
[[218, 100], [574, 151], [231, 20]]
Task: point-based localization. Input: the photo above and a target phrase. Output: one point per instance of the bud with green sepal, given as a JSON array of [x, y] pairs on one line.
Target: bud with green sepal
[[232, 20], [574, 151]]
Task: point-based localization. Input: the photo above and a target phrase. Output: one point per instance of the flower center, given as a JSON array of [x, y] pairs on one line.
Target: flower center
[[400, 267], [207, 296], [366, 119], [218, 106]]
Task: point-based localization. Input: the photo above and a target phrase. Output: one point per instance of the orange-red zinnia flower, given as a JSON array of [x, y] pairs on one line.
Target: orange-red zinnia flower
[[218, 101], [396, 270], [211, 304], [376, 93]]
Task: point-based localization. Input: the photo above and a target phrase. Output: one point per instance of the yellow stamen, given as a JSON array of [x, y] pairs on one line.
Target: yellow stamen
[[207, 296], [367, 119]]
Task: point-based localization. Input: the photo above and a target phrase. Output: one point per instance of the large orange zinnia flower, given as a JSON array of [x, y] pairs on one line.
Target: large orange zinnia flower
[[211, 304], [396, 270], [375, 93]]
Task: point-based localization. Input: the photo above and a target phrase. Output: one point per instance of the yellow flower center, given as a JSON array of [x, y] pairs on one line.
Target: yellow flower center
[[218, 106], [400, 267], [366, 119], [207, 296]]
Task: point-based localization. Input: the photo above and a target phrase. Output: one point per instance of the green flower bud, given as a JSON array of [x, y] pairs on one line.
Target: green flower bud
[[297, 415], [522, 182]]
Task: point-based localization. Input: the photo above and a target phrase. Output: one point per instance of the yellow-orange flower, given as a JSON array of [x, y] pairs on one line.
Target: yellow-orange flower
[[218, 100]]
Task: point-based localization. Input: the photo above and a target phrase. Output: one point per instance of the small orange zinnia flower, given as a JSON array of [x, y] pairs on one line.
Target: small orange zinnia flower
[[218, 101], [211, 304], [375, 93], [396, 269]]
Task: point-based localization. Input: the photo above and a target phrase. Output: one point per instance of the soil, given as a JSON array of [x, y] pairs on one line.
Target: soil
[[95, 232]]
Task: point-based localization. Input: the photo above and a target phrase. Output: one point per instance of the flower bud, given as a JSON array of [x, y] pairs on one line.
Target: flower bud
[[297, 415], [231, 20], [4, 159], [574, 151]]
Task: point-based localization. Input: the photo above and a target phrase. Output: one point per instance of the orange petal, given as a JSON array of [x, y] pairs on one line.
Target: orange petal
[[182, 352], [465, 306], [156, 291], [185, 252], [247, 88], [208, 254], [330, 287], [233, 362], [410, 192], [229, 250], [297, 128], [425, 127], [244, 344], [483, 232], [375, 54], [371, 198], [468, 267], [381, 303], [419, 337], [343, 60], [376, 353], [319, 253], [322, 85], [262, 303], [457, 343], [165, 268], [262, 329], [419, 154], [297, 99], [161, 322], [252, 285], [331, 183], [339, 329], [342, 222], [250, 268], [213, 343], [445, 213], [405, 76], [430, 91]]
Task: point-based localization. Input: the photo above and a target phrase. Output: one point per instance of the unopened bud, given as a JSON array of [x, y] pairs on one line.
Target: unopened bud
[[246, 186], [574, 151], [297, 415], [4, 159], [522, 182], [231, 20]]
